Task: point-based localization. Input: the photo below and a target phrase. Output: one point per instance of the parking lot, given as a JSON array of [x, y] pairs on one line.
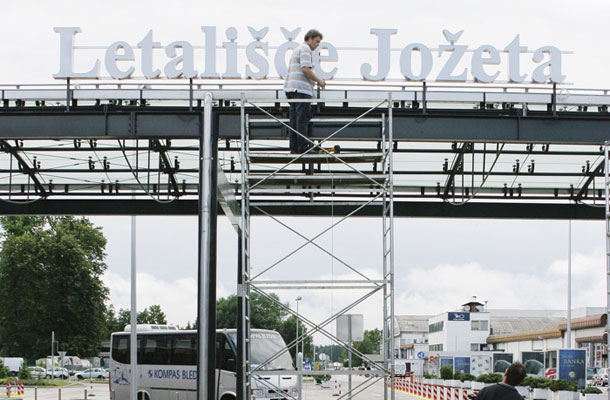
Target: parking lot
[[311, 391]]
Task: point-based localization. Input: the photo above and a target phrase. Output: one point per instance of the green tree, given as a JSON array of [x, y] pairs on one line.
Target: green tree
[[152, 315], [288, 330], [112, 321], [24, 373], [116, 322], [265, 314], [370, 344], [50, 270], [332, 351]]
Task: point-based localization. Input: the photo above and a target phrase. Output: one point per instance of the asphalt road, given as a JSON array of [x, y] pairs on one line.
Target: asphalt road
[[311, 391]]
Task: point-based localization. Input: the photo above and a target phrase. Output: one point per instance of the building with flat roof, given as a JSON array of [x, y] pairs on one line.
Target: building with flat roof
[[410, 335], [475, 331]]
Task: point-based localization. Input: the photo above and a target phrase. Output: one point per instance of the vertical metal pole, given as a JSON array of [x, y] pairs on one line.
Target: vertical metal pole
[[133, 334], [298, 358], [391, 178], [349, 355], [190, 94], [68, 95], [569, 327], [240, 322], [52, 356], [204, 386], [554, 99], [243, 331], [607, 182], [242, 300], [384, 219]]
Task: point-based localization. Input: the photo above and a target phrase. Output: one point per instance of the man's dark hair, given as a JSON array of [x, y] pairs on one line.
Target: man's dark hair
[[312, 34], [515, 373]]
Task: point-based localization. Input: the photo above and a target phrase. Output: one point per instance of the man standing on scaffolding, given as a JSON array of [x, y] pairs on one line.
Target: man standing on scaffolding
[[299, 85]]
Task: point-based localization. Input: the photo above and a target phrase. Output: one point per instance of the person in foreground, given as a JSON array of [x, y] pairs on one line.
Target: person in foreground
[[505, 390], [299, 85]]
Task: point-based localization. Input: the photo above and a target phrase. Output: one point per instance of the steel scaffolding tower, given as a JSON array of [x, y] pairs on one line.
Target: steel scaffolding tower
[[368, 174], [607, 214]]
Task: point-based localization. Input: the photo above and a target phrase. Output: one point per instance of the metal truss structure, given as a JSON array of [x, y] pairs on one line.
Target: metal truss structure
[[406, 150], [478, 151], [322, 171]]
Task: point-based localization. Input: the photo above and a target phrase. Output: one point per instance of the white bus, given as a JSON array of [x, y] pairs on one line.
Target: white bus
[[167, 365]]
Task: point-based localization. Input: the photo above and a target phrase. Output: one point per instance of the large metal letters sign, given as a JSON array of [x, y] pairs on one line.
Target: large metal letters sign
[[226, 58]]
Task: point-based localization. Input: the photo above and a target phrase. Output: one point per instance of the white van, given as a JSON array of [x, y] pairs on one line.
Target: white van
[[12, 363]]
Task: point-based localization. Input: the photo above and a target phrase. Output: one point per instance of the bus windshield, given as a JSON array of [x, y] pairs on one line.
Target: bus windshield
[[264, 346]]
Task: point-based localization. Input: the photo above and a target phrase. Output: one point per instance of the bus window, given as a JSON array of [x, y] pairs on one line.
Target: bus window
[[225, 356], [155, 350], [120, 349], [183, 350]]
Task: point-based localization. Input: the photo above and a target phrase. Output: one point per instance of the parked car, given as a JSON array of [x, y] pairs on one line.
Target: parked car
[[58, 373], [106, 373], [534, 368], [591, 371], [601, 378], [91, 373], [38, 372], [551, 373]]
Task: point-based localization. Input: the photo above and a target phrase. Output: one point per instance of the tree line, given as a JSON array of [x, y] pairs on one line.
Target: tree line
[[50, 280]]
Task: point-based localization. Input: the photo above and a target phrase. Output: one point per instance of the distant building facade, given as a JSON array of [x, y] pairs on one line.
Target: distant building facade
[[473, 331]]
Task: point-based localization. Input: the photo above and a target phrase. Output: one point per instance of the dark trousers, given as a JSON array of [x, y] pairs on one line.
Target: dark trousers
[[300, 114]]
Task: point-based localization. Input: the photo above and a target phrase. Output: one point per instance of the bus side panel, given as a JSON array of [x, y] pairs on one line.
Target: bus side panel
[[120, 377], [227, 383]]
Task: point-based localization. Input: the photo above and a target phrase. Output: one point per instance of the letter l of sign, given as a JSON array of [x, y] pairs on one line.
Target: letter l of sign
[[66, 55], [210, 52]]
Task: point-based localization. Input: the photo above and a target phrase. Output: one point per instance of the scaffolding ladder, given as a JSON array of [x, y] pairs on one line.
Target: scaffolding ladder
[[298, 175]]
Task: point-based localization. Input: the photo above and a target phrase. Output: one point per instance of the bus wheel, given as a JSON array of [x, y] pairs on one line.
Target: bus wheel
[[143, 396], [227, 397]]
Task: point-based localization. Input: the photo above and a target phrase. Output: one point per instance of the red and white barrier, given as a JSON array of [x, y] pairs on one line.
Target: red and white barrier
[[337, 389]]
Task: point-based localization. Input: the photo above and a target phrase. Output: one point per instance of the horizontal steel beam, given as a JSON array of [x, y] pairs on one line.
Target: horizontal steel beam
[[409, 124], [429, 209]]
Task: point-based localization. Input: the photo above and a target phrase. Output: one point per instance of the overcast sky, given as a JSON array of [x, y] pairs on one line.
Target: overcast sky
[[439, 263]]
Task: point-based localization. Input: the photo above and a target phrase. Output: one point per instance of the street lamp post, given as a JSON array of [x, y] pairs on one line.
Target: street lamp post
[[296, 354], [297, 345]]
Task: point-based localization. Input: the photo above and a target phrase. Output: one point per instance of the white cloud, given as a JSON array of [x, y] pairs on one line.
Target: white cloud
[[178, 298], [444, 287]]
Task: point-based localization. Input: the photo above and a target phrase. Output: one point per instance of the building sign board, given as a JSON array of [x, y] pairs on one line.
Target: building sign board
[[458, 316], [573, 366], [462, 364], [251, 57], [446, 361], [480, 364]]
